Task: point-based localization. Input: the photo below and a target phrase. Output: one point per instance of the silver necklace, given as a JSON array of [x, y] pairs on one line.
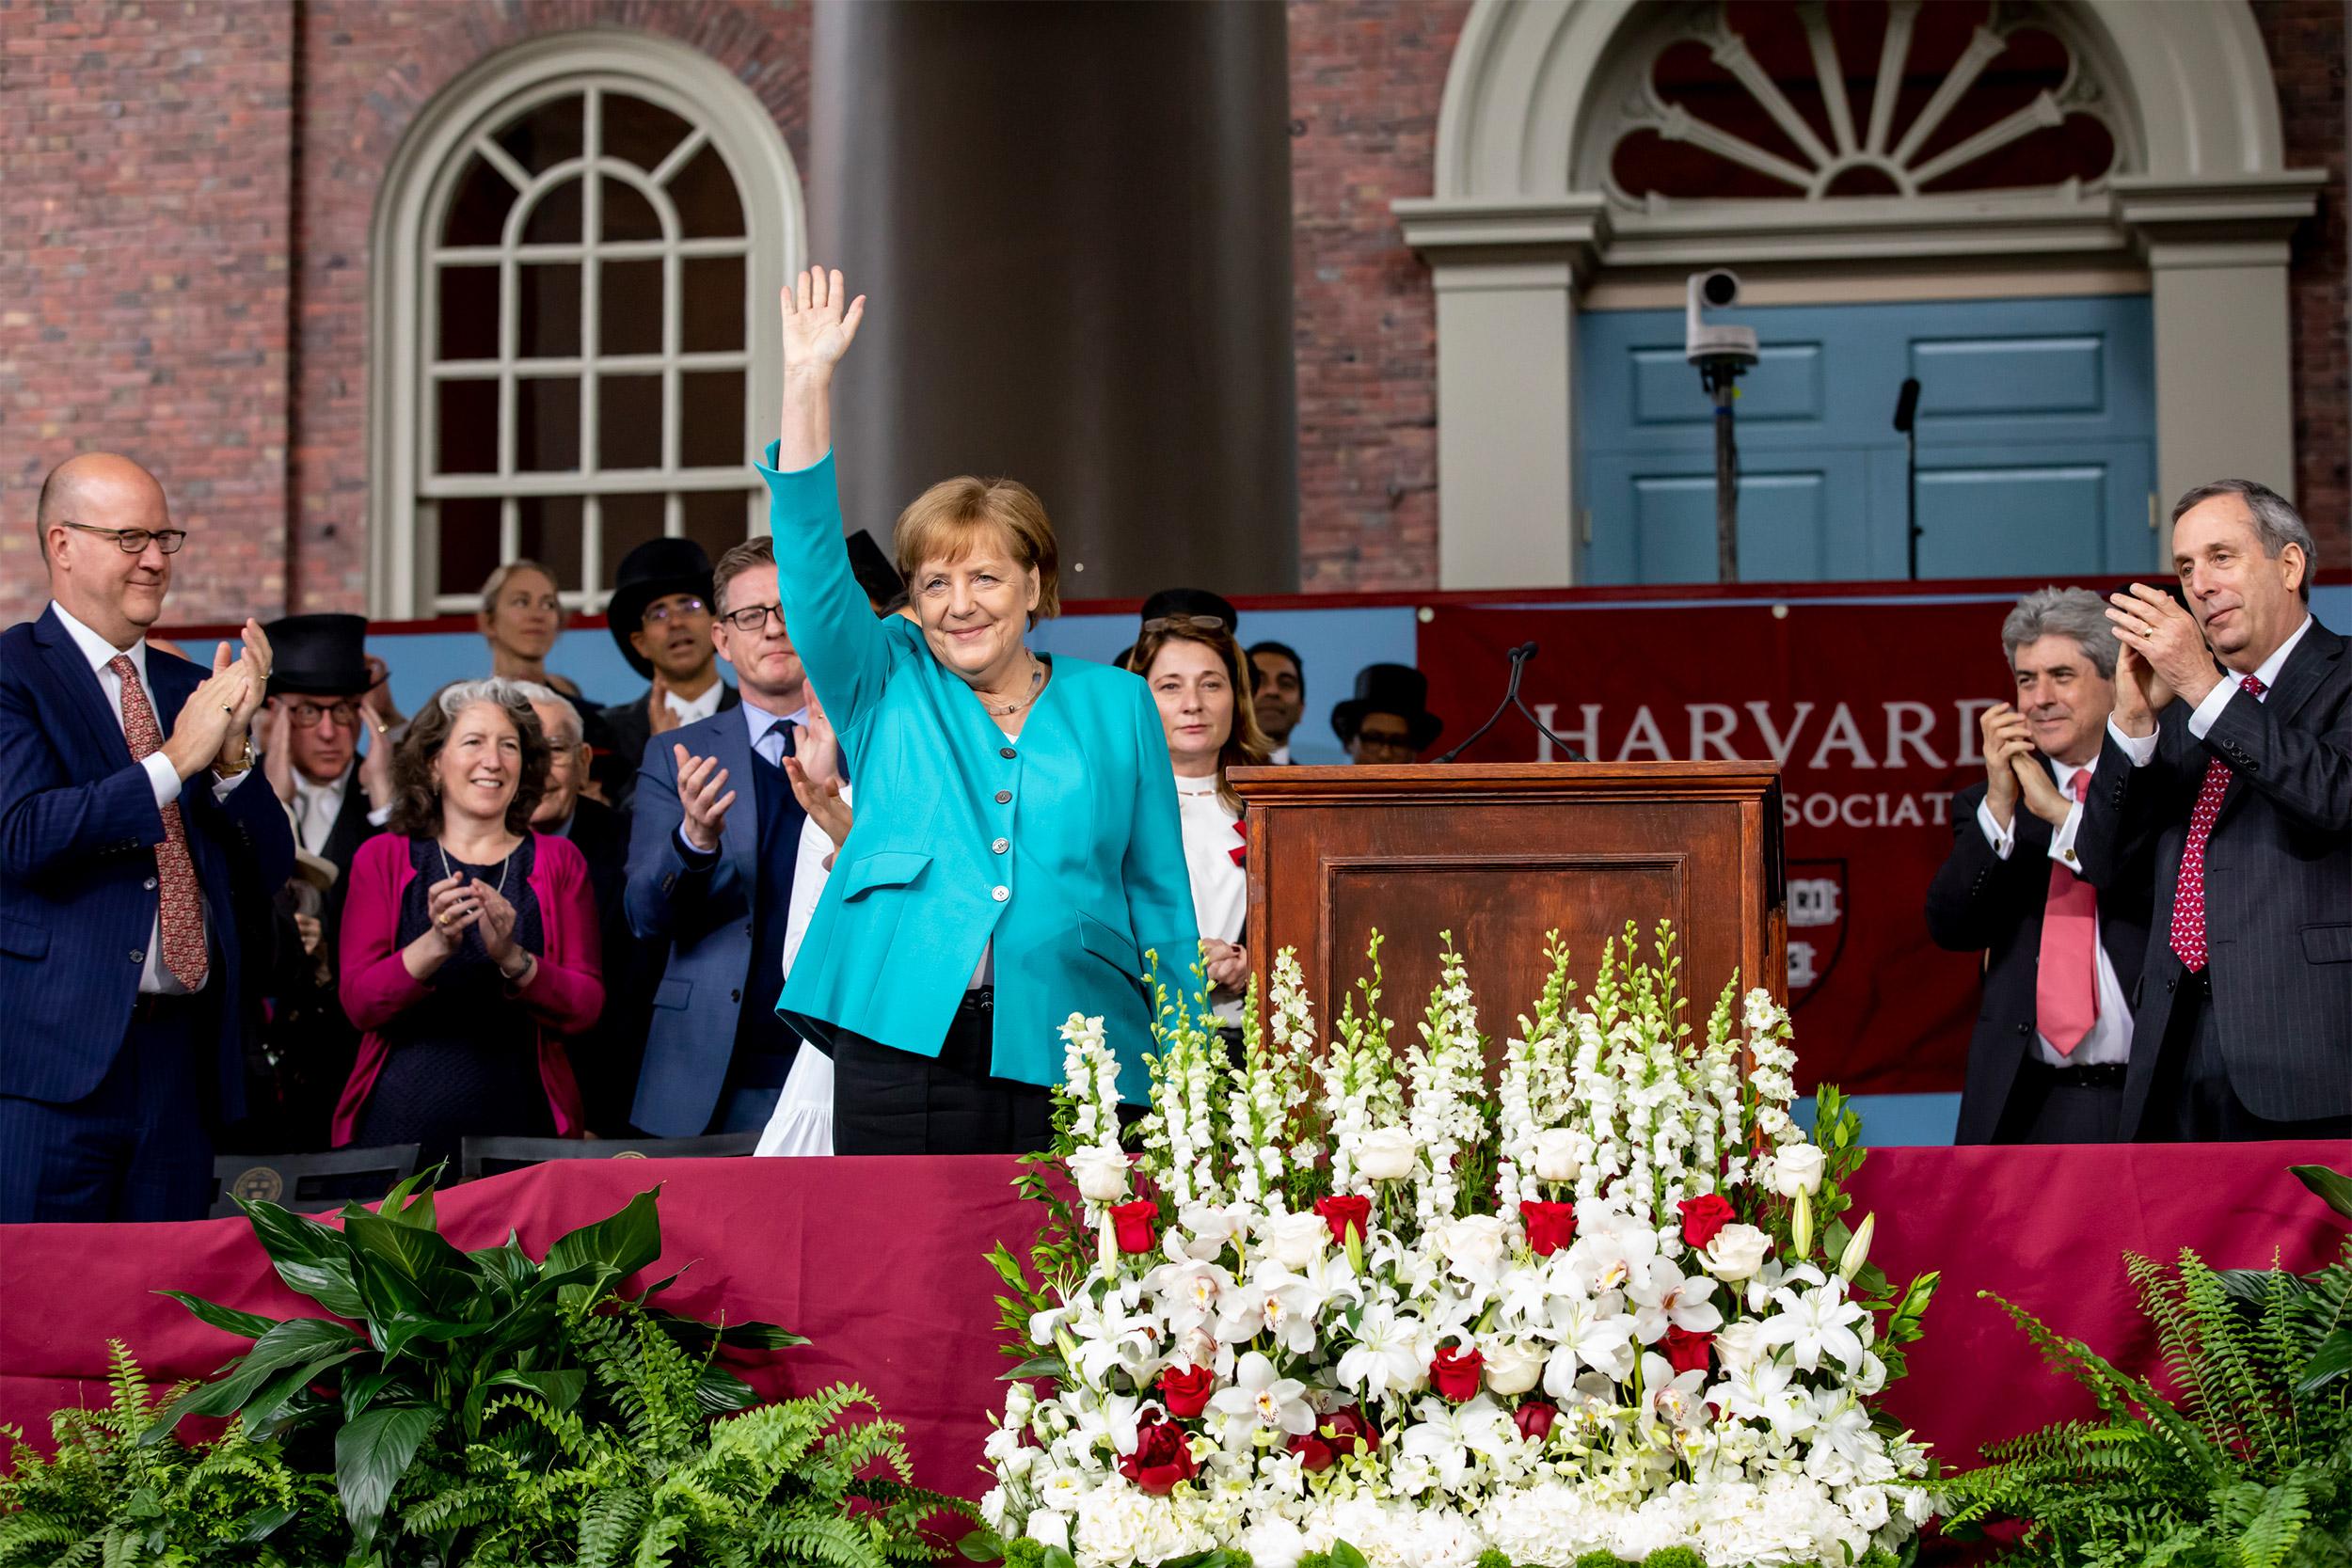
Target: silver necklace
[[1037, 683], [448, 871]]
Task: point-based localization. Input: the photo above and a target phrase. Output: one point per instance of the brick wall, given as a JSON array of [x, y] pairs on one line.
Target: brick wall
[[2306, 40], [144, 154], [1366, 81]]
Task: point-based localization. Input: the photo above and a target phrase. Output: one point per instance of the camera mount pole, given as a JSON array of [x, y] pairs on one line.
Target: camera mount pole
[[1719, 374], [1907, 421]]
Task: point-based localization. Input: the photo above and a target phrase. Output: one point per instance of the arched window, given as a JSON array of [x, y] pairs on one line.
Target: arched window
[[578, 254]]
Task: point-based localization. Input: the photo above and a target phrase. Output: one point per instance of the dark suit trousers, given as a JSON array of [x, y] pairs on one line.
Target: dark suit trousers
[[134, 1148], [891, 1101], [2191, 1100], [2043, 1107]]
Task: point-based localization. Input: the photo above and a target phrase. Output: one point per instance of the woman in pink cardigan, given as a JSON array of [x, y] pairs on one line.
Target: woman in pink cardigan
[[469, 943]]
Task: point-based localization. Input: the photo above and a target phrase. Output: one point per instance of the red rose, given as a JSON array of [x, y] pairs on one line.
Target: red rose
[[1533, 1417], [1185, 1390], [1134, 1224], [1351, 1431], [1312, 1451], [1162, 1457], [1702, 1217], [1455, 1373], [1687, 1351], [1340, 1213], [1549, 1226]]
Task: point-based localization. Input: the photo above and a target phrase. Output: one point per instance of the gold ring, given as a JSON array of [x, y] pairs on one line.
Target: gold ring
[[229, 708]]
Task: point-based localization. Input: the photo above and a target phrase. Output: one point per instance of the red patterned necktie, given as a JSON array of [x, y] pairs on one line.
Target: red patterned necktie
[[1241, 852], [182, 916], [2066, 982], [2188, 895]]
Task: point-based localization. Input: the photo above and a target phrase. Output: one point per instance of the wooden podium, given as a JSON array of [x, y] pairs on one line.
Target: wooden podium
[[1498, 854]]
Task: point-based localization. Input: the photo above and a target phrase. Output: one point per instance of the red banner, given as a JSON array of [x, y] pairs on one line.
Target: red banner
[[1870, 708]]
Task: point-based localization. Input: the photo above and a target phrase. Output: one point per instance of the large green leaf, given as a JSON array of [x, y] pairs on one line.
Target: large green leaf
[[403, 1329], [696, 1336], [561, 1390], [371, 1455], [720, 1392], [315, 1258], [2333, 1187], [249, 1324], [2331, 1360], [508, 1268], [424, 1257], [268, 1402], [616, 1246], [296, 1342]]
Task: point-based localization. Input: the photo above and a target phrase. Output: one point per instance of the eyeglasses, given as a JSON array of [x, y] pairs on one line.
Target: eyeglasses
[[1199, 622], [134, 541], [1374, 740], [306, 714], [750, 618], [662, 612]]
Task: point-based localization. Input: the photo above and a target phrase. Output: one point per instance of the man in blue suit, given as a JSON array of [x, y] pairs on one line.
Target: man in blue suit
[[712, 843], [132, 832]]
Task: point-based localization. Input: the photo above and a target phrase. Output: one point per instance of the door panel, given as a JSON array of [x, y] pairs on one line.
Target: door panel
[[2037, 445]]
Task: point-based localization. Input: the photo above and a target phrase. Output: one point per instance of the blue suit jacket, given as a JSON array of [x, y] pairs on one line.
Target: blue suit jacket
[[78, 831], [1063, 848], [705, 915]]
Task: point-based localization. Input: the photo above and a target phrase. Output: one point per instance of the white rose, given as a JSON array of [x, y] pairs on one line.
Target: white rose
[[1737, 1252], [1797, 1167], [1274, 1542], [1387, 1153], [1555, 1156], [1048, 1529], [1475, 1245], [1866, 1506], [1101, 1173], [1513, 1368], [1293, 1241], [1735, 1344]]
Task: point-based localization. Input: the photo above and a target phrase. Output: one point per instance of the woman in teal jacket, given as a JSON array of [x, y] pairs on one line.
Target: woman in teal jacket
[[1017, 851]]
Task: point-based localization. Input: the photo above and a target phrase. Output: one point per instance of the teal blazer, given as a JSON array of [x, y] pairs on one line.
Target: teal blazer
[[1063, 848]]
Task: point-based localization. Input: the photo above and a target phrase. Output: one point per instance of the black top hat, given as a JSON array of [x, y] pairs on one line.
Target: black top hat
[[318, 656], [654, 570], [870, 565], [1191, 601], [1397, 689]]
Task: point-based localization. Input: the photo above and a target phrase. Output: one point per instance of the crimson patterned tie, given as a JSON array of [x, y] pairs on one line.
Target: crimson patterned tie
[[2188, 895], [2066, 977], [183, 915]]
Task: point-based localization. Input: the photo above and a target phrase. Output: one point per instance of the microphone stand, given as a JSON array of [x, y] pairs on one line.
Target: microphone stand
[[1521, 657]]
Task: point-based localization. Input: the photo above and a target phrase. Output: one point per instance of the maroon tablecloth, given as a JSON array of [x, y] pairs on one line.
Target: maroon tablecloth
[[879, 1262]]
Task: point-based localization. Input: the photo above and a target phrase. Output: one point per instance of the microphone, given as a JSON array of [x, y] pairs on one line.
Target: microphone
[[1520, 657], [1907, 406]]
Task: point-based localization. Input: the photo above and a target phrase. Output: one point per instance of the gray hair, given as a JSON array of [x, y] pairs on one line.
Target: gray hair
[[457, 696], [2276, 523], [567, 731], [2075, 613]]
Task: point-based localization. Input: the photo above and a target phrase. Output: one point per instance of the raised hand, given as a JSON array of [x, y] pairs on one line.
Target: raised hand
[[496, 916], [2040, 789], [819, 321], [205, 721], [2167, 643], [451, 906], [2006, 737], [254, 657], [816, 745], [278, 751], [378, 697], [375, 768], [821, 798], [658, 713], [699, 781]]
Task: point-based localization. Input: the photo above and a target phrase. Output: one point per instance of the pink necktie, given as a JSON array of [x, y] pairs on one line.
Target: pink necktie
[[2189, 894], [2066, 985], [183, 913]]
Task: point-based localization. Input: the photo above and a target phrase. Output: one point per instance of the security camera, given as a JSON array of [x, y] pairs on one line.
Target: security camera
[[1715, 290]]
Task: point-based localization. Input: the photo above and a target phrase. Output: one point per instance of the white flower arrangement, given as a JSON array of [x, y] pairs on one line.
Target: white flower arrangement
[[1367, 1310]]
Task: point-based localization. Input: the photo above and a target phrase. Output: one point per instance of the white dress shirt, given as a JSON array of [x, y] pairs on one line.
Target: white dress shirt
[[2110, 1037], [1281, 757], [1220, 888], [153, 975], [316, 806], [690, 709]]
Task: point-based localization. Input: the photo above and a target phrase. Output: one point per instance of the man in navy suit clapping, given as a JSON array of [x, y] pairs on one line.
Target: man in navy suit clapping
[[133, 831]]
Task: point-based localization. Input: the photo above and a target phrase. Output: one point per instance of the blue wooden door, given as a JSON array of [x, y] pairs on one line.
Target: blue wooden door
[[2036, 442]]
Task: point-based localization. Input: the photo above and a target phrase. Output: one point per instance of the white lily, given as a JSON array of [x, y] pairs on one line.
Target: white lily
[[1451, 1438], [1663, 1298], [1589, 1332], [1813, 1325], [1759, 1391], [1257, 1397]]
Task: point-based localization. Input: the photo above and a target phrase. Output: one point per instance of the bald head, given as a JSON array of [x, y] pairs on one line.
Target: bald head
[[116, 593]]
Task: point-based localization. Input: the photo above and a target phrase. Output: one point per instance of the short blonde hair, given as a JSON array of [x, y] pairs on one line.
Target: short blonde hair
[[944, 523]]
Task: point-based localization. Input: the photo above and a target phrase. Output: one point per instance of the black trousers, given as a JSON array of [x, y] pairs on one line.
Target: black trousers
[[2053, 1105], [134, 1148], [891, 1101], [2191, 1100]]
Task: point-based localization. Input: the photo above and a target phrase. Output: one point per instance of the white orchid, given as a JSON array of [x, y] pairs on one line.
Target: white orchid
[[1257, 1397], [1189, 1293], [1670, 1396], [1815, 1323], [1760, 1391], [1663, 1298], [1292, 1302]]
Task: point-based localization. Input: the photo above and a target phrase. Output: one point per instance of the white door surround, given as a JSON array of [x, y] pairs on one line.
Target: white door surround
[[1523, 223]]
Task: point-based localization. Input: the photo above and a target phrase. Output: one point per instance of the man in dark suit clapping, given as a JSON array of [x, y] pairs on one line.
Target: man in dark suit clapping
[[133, 831], [2241, 779], [2047, 1061]]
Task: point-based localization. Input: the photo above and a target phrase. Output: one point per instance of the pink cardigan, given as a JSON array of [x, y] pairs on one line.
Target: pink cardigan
[[566, 993]]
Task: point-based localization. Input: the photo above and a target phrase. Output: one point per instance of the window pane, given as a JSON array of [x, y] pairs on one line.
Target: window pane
[[547, 301], [546, 425], [468, 531], [470, 313], [711, 304], [478, 208], [548, 530], [628, 215], [716, 519], [546, 136], [641, 131], [629, 307], [710, 418], [707, 206], [556, 219], [629, 522], [468, 416], [629, 421]]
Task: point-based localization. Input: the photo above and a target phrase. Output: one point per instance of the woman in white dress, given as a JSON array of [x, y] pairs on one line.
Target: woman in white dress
[[1200, 679]]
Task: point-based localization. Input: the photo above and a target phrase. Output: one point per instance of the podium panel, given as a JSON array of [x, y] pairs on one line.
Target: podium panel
[[1500, 854]]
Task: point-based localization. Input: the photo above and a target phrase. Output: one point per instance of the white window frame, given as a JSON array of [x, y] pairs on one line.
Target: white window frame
[[403, 543]]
